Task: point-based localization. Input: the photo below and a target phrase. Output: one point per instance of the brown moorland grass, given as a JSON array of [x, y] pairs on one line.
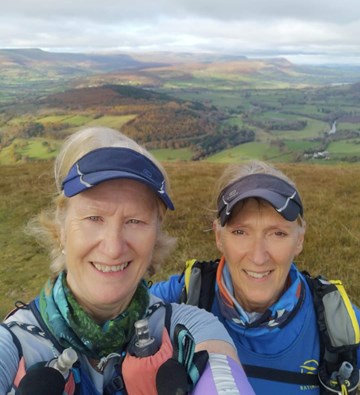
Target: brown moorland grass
[[331, 196]]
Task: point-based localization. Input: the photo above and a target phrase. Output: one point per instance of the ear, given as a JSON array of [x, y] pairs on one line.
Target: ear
[[217, 231]]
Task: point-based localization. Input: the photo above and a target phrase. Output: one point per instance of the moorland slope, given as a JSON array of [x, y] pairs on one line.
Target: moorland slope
[[331, 196]]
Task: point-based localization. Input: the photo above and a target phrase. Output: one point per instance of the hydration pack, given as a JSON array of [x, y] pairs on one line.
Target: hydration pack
[[339, 336], [338, 372], [183, 358], [46, 340]]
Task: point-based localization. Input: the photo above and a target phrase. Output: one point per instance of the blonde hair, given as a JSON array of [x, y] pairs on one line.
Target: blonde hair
[[46, 227], [236, 172]]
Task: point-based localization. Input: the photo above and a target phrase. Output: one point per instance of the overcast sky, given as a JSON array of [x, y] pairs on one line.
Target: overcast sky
[[302, 30]]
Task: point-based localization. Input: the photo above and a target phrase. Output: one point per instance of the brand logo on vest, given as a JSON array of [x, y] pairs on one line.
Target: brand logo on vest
[[309, 367]]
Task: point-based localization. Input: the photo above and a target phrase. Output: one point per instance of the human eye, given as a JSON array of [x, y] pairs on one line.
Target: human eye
[[280, 233], [238, 232], [94, 218], [134, 221]]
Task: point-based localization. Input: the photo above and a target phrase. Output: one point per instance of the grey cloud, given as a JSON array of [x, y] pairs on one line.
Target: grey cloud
[[241, 26], [112, 10]]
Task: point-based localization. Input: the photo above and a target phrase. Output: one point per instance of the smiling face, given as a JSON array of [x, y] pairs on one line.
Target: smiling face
[[259, 246], [109, 235]]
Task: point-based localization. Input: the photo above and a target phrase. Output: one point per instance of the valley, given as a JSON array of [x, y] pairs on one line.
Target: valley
[[193, 107]]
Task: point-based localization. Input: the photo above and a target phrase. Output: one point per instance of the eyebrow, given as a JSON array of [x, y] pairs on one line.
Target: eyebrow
[[246, 224]]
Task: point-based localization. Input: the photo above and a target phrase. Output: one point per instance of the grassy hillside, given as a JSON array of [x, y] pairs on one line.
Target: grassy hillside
[[331, 197]]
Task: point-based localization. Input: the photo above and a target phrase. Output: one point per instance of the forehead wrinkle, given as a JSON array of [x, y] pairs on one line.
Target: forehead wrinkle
[[113, 196], [257, 213]]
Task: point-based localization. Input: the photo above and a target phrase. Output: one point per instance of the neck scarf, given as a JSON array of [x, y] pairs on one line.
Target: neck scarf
[[73, 327], [276, 316]]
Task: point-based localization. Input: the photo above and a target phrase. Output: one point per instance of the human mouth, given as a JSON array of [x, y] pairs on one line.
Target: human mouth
[[111, 268], [257, 275]]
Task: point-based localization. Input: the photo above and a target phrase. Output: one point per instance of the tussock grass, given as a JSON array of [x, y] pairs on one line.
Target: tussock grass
[[331, 196]]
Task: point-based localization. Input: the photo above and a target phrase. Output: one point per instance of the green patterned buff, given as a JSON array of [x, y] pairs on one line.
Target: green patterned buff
[[73, 327]]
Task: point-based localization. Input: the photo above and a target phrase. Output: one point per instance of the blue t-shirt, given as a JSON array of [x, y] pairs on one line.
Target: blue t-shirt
[[294, 347]]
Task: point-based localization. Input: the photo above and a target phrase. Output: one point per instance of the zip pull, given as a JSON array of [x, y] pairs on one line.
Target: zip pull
[[104, 360]]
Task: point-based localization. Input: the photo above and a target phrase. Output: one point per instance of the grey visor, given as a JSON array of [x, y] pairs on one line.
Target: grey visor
[[281, 195]]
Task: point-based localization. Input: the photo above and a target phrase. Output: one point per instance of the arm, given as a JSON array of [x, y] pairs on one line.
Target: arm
[[218, 347], [202, 325], [9, 360], [223, 376], [223, 373], [169, 291]]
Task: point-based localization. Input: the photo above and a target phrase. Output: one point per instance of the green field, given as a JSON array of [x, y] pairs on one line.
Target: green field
[[71, 120], [345, 147], [22, 150], [348, 126], [238, 121], [313, 129], [169, 155], [111, 121], [301, 145], [48, 119], [20, 119], [246, 151]]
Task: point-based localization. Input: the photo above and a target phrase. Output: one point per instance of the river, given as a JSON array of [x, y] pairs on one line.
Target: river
[[333, 128]]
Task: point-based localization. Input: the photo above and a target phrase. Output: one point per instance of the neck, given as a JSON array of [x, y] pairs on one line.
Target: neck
[[103, 313], [250, 307]]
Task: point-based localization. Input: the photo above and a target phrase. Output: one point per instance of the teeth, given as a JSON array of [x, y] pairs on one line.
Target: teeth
[[112, 268], [258, 275]]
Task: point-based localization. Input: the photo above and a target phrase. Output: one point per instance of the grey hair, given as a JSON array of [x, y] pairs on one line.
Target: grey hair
[[47, 226]]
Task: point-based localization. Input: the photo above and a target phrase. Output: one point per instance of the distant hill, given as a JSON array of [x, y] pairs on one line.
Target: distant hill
[[67, 62], [102, 96], [33, 72], [200, 72]]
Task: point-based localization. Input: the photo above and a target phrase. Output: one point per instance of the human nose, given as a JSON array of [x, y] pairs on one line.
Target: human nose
[[258, 251], [114, 241]]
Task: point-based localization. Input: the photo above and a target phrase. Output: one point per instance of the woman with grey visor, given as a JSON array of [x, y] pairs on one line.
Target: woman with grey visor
[[264, 301], [94, 328]]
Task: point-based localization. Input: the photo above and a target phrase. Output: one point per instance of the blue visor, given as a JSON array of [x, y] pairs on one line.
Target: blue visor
[[281, 195], [110, 163]]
